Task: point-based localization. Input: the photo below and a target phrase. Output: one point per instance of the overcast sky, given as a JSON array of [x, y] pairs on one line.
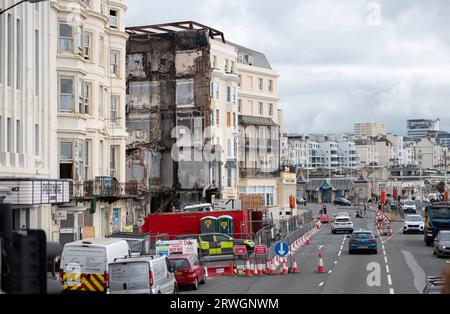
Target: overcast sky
[[339, 61]]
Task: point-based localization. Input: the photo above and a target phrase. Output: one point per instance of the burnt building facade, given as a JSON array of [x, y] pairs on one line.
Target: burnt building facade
[[168, 116]]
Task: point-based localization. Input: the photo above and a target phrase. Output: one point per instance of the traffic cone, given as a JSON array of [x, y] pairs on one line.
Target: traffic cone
[[295, 267], [320, 267], [268, 267], [260, 268], [255, 268], [307, 241], [231, 270], [285, 268], [248, 269]]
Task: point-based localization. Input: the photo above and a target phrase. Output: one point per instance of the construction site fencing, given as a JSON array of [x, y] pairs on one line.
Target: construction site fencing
[[281, 229]]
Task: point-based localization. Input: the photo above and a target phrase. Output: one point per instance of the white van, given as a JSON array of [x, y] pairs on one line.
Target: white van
[[142, 275], [84, 264]]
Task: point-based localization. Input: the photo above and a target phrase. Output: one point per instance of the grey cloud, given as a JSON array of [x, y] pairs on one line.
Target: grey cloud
[[312, 43]]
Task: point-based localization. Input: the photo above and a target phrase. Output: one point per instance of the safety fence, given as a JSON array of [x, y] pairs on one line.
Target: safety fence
[[278, 231]]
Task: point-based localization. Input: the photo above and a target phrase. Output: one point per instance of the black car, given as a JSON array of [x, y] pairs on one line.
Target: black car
[[342, 202]]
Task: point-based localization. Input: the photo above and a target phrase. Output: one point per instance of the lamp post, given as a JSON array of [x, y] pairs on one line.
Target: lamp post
[[14, 5]]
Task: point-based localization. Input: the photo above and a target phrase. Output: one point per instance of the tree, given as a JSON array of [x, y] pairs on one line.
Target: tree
[[441, 187]]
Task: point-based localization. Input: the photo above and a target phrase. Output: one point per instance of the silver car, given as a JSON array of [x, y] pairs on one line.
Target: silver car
[[441, 244]]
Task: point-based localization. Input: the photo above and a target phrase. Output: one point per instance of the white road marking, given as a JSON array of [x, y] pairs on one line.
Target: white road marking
[[387, 269], [342, 247], [335, 262], [417, 271], [389, 280], [385, 260], [384, 252], [321, 284], [330, 271], [340, 252], [321, 246], [391, 291]]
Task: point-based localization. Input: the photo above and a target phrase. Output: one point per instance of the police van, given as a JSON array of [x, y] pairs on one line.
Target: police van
[[84, 264], [151, 274]]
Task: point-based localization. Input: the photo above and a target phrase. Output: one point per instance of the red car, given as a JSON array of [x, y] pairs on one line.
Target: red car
[[189, 270], [324, 219]]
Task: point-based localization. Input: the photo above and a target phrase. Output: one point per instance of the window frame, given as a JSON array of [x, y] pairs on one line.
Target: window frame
[[60, 37], [71, 78]]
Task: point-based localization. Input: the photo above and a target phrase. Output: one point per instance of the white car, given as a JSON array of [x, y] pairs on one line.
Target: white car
[[409, 206], [413, 223], [342, 224]]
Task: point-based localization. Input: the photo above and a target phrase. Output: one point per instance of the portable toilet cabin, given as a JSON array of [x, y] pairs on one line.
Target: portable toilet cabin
[[208, 225], [226, 225]]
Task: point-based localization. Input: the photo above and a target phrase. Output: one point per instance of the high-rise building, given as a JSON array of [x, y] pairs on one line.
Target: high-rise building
[[369, 129], [419, 128]]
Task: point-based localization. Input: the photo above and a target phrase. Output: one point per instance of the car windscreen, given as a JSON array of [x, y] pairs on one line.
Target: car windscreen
[[440, 213], [413, 218], [180, 263], [362, 236], [410, 203], [445, 236]]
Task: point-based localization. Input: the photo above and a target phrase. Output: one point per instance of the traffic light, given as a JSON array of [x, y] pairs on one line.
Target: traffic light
[[23, 257], [27, 264]]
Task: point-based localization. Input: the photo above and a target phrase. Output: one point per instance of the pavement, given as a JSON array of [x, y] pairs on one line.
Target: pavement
[[400, 267]]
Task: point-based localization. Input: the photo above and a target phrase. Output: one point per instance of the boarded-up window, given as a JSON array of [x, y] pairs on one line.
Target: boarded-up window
[[185, 93]]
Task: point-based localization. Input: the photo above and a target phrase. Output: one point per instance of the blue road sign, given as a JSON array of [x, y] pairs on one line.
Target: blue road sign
[[281, 249]]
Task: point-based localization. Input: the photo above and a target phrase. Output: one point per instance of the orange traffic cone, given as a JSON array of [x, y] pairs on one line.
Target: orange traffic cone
[[260, 269], [268, 267], [320, 267], [285, 268], [248, 269], [295, 267]]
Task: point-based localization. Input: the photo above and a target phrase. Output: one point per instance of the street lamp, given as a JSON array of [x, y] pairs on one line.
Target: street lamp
[[30, 1]]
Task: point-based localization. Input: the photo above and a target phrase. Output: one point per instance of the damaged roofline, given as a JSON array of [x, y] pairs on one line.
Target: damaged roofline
[[174, 27]]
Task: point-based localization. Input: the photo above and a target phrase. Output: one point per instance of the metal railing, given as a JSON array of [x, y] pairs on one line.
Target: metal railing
[[280, 230], [103, 187]]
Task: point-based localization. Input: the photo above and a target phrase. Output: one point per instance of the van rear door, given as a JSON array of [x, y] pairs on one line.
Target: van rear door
[[129, 278], [79, 263]]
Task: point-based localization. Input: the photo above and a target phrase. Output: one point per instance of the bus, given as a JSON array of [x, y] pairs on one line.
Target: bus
[[437, 217]]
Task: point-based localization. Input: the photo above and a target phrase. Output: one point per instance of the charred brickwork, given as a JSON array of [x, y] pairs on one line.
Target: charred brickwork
[[168, 85]]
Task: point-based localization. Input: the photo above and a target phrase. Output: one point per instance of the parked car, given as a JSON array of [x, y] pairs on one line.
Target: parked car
[[189, 270], [362, 240], [441, 243], [342, 224], [84, 264], [218, 243], [342, 202], [413, 223], [408, 206], [301, 201], [434, 285], [151, 274]]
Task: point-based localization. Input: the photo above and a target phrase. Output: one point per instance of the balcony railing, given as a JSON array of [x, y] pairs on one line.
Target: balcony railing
[[104, 187]]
